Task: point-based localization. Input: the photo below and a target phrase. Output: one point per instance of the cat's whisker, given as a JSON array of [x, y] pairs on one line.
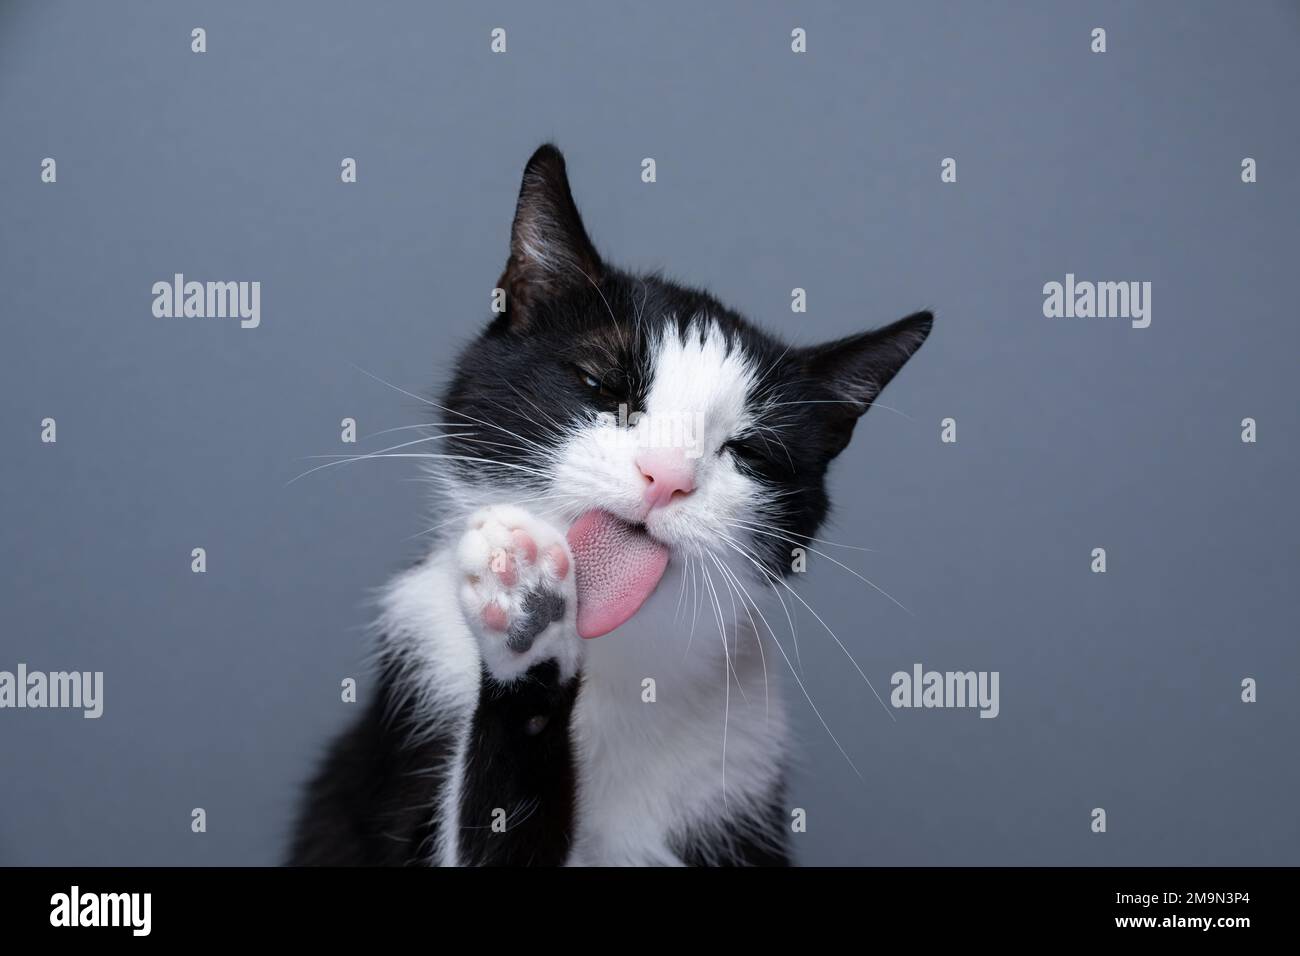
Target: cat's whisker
[[769, 392], [460, 518], [695, 613], [720, 617], [779, 441], [604, 350], [846, 401], [726, 681], [763, 577], [531, 447], [444, 408], [645, 295], [494, 444], [347, 459], [459, 436], [596, 285], [491, 463], [376, 454], [557, 430], [794, 631], [835, 638], [557, 427], [808, 537], [729, 578], [823, 554], [735, 626], [402, 428], [681, 591], [808, 697]]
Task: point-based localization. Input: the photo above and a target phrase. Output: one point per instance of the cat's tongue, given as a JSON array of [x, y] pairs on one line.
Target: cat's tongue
[[617, 566]]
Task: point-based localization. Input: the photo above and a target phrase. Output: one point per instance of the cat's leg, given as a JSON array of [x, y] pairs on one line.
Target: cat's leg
[[373, 802], [516, 778]]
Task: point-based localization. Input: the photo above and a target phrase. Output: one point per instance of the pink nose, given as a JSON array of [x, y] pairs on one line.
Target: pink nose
[[668, 474]]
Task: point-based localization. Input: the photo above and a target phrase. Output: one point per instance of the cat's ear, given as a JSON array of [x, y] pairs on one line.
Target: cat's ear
[[857, 368], [549, 248]]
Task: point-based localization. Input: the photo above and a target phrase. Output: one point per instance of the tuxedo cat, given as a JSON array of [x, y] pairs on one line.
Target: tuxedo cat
[[586, 667]]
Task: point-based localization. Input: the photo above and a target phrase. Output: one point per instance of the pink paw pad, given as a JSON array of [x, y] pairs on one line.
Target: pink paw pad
[[525, 545], [503, 566], [495, 617], [559, 561]]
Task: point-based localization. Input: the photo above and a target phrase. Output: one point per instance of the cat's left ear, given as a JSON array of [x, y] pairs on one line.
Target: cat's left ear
[[549, 249], [857, 368]]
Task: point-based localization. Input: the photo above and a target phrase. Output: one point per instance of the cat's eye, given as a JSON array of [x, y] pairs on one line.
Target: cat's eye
[[608, 386], [742, 449]]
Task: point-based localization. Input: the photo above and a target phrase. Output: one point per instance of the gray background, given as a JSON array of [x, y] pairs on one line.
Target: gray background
[[822, 171]]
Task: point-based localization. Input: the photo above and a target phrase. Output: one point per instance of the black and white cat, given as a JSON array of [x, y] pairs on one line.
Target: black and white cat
[[618, 456]]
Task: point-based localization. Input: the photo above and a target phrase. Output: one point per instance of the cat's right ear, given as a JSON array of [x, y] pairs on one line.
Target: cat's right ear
[[549, 248], [857, 368]]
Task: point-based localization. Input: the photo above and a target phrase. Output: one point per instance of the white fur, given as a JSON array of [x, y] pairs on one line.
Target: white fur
[[692, 380], [649, 773], [488, 530], [652, 772], [422, 625]]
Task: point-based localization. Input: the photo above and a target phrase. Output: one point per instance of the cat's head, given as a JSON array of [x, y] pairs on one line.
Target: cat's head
[[652, 402]]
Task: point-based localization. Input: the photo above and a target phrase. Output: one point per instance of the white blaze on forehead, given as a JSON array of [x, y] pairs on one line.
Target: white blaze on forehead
[[697, 397], [697, 383]]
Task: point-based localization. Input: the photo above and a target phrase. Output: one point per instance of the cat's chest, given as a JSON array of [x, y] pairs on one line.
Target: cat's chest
[[671, 733]]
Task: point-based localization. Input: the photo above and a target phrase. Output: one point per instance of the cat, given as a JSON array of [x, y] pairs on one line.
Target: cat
[[583, 670]]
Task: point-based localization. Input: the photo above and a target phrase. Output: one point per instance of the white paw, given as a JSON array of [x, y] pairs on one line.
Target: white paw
[[517, 592]]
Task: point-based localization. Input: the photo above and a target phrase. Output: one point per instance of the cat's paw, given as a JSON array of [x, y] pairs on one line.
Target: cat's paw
[[517, 592]]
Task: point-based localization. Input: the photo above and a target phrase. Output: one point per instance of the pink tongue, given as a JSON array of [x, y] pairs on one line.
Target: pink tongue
[[617, 566]]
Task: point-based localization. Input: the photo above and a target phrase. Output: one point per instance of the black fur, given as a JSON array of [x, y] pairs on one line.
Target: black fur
[[751, 840], [540, 609], [589, 315], [522, 775], [569, 316], [374, 801]]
